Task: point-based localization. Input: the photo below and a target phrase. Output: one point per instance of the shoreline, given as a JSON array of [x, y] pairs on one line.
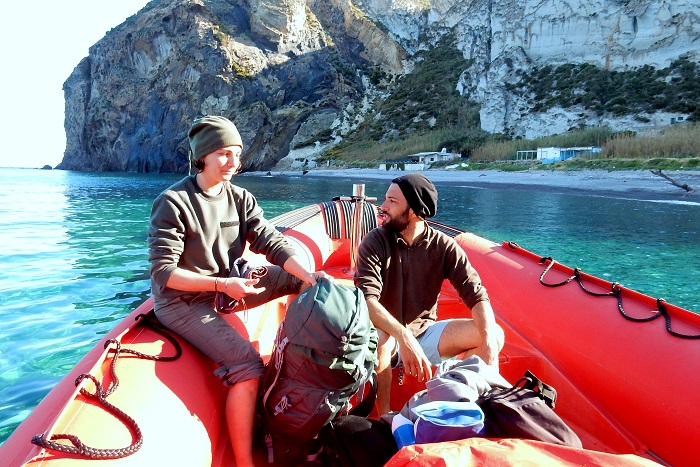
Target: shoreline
[[628, 184]]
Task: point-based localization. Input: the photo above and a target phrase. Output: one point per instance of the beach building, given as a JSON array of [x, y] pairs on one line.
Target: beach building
[[419, 161], [528, 155], [551, 155]]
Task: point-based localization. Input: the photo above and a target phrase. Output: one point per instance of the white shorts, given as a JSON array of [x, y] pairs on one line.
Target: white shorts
[[428, 341]]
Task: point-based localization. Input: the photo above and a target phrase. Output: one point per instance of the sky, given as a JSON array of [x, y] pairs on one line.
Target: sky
[[42, 41]]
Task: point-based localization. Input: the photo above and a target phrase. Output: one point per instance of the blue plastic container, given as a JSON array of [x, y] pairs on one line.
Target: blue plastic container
[[447, 421], [403, 430]]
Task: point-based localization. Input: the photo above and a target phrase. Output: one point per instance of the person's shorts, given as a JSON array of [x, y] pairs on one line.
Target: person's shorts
[[428, 341]]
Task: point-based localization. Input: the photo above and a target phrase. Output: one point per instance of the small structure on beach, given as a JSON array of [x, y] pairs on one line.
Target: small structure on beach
[[551, 155], [419, 161]]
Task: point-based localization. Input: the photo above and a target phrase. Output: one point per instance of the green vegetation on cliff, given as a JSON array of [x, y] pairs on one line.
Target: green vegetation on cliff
[[424, 112], [636, 91], [427, 98]]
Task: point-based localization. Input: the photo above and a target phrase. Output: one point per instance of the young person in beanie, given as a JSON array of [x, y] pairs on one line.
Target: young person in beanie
[[401, 266], [198, 228]]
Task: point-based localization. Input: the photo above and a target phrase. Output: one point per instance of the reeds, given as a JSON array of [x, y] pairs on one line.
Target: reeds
[[671, 141], [680, 141], [677, 141]]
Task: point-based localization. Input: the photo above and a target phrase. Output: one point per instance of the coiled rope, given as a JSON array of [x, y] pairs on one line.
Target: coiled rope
[[79, 448], [616, 291]]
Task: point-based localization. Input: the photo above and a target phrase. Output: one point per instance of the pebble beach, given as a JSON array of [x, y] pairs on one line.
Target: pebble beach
[[633, 184]]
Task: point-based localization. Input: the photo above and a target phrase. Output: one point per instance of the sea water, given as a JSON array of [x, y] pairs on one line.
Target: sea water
[[73, 256]]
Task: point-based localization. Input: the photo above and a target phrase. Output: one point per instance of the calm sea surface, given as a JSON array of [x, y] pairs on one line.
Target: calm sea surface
[[74, 262]]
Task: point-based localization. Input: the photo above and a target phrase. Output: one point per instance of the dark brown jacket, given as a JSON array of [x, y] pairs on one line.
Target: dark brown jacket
[[407, 279]]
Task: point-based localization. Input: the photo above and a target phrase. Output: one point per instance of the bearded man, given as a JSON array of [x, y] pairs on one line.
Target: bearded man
[[401, 266]]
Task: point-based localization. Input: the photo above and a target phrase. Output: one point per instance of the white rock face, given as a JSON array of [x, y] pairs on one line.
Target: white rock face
[[405, 19], [283, 22], [502, 36], [614, 33]]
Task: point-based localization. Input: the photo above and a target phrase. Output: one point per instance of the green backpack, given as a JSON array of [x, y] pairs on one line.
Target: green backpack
[[325, 351]]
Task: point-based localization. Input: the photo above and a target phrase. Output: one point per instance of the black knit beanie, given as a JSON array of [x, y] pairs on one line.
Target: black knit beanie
[[420, 193], [209, 133]]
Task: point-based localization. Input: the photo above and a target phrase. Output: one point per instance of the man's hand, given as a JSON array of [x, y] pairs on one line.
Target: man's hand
[[315, 276], [295, 268], [488, 351], [413, 358]]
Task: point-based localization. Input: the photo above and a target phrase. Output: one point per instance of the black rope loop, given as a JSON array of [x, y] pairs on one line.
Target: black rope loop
[[639, 320], [79, 448], [546, 270], [615, 291], [661, 304], [156, 326]]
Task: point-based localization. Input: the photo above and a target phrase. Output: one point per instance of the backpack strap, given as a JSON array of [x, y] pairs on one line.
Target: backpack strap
[[366, 404], [277, 359]]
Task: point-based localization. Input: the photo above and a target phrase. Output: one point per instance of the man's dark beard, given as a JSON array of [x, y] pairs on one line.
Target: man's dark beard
[[399, 223]]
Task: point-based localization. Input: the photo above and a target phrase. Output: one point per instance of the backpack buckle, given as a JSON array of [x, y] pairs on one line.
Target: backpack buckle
[[281, 406]]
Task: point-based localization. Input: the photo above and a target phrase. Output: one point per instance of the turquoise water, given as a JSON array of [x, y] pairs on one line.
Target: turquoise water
[[74, 259]]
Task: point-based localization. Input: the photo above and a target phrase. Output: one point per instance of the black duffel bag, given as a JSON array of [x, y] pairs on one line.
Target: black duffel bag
[[526, 411]]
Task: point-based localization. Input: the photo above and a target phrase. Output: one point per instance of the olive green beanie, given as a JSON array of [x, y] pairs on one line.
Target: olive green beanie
[[209, 133]]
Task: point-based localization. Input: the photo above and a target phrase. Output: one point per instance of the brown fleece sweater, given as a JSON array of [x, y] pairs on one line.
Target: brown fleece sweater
[[205, 234], [407, 279]]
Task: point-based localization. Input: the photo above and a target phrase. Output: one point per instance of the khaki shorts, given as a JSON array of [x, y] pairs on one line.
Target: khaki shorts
[[428, 341]]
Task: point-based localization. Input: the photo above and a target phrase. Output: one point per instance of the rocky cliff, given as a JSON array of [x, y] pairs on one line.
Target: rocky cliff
[[291, 73], [271, 66]]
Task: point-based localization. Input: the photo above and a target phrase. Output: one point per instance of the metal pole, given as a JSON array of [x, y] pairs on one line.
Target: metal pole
[[358, 196]]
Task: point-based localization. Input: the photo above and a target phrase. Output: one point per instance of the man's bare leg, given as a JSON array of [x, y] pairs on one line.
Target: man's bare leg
[[384, 375], [461, 337]]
